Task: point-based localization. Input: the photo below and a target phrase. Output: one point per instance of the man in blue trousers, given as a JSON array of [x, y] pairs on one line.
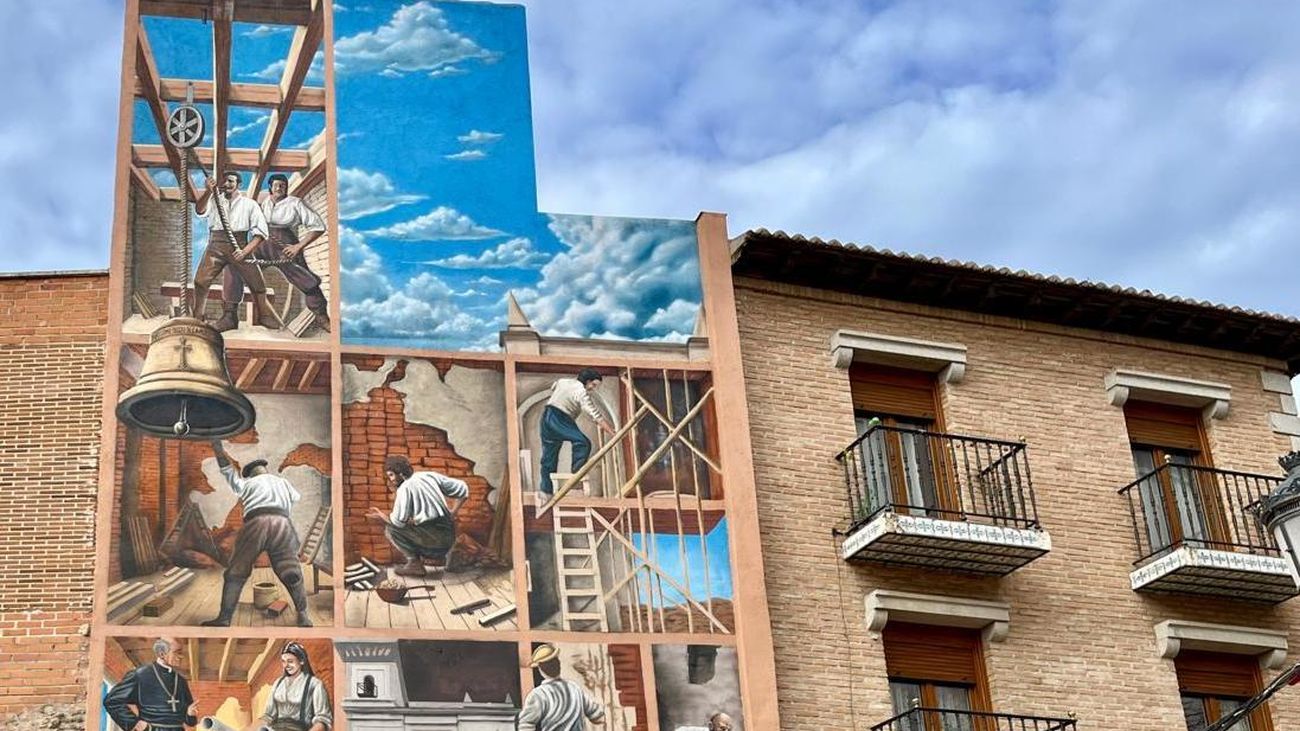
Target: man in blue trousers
[[570, 397]]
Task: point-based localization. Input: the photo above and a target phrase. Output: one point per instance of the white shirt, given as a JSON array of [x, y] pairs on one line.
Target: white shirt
[[291, 212], [285, 701], [242, 213], [262, 491], [423, 497], [571, 397], [558, 705]]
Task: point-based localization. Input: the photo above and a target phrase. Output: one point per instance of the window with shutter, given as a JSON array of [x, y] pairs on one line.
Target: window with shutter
[[894, 392], [1213, 684], [938, 667], [1179, 503]]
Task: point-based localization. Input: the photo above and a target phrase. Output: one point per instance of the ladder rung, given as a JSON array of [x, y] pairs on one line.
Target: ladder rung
[[585, 616]]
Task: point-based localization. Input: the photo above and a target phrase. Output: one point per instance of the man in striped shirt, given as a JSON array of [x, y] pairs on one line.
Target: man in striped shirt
[[556, 704], [422, 523], [570, 397]]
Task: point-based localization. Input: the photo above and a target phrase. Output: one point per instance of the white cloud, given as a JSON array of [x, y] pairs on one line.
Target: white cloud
[[434, 74], [259, 121], [416, 38], [362, 269], [516, 253], [621, 277], [440, 224], [263, 31], [363, 194], [467, 155], [274, 71], [479, 137]]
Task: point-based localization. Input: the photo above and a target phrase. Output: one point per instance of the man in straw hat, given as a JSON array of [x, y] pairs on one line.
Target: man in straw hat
[[267, 500], [556, 704]]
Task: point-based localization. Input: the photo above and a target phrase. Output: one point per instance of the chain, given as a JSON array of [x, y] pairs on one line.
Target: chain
[[186, 243]]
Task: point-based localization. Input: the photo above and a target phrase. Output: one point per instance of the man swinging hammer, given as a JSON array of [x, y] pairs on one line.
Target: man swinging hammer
[[267, 500]]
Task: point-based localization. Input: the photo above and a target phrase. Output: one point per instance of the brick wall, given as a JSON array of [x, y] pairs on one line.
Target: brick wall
[[153, 253], [1081, 640], [52, 358], [373, 429]]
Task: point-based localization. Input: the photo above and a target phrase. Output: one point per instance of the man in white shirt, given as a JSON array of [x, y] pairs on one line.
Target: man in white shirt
[[570, 397], [287, 215], [556, 704], [422, 523], [267, 500], [248, 228]]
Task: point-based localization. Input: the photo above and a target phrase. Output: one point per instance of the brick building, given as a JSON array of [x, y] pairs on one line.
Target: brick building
[[1083, 546]]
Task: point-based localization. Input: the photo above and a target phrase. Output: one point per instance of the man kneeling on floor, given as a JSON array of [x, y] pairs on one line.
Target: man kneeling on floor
[[422, 524], [267, 500]]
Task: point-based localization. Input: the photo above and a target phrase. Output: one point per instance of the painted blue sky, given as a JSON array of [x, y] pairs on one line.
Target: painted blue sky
[[668, 556], [1148, 144], [437, 196]]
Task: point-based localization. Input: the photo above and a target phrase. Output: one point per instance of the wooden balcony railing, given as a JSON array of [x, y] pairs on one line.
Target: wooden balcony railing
[[939, 719], [1178, 505], [944, 476]]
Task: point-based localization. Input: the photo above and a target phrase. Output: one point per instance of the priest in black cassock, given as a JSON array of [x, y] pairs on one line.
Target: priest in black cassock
[[154, 696]]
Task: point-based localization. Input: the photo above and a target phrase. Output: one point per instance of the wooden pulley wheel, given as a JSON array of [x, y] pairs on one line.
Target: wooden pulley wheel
[[185, 126]]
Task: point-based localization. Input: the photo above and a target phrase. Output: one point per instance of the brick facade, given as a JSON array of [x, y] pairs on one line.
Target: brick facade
[[1080, 639], [52, 356]]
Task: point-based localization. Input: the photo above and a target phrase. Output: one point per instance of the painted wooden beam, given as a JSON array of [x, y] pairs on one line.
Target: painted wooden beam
[[271, 12], [265, 96], [222, 17], [226, 654], [156, 156], [306, 41], [256, 667], [147, 184], [146, 75]]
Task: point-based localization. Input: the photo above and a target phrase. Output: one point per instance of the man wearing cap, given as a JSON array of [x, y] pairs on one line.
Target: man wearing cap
[[556, 704], [267, 500], [154, 696]]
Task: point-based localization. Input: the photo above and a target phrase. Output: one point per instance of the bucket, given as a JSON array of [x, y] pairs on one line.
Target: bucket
[[264, 592]]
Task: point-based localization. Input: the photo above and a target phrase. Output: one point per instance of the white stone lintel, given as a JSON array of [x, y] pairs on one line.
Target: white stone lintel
[[946, 359], [1276, 382], [1213, 398], [1173, 636], [884, 606]]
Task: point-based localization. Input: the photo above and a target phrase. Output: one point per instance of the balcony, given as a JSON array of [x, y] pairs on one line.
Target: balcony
[[1195, 535], [940, 500], [938, 719]]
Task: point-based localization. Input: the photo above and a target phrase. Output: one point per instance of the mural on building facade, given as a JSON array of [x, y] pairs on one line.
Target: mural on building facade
[[225, 684], [234, 531], [427, 501], [436, 237], [254, 205], [522, 403]]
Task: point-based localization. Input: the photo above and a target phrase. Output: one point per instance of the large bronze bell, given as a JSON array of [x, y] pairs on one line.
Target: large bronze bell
[[184, 389]]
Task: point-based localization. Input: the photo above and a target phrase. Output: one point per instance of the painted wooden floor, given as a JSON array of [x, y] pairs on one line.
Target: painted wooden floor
[[200, 601], [366, 609]]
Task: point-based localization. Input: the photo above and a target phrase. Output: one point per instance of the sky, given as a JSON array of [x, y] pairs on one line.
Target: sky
[[1147, 144]]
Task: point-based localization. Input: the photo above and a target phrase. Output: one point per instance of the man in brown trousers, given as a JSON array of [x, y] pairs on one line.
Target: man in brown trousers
[[248, 230], [267, 500]]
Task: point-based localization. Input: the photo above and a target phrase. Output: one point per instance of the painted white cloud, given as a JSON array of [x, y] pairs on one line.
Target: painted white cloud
[[364, 193], [440, 224], [467, 155], [434, 74], [263, 31], [517, 253], [259, 121], [620, 277], [274, 71], [362, 270], [416, 38], [479, 137]]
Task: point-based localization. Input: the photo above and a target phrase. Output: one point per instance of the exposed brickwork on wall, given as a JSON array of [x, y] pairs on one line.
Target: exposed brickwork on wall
[[371, 430], [318, 253], [629, 682], [153, 251], [1080, 639], [52, 358]]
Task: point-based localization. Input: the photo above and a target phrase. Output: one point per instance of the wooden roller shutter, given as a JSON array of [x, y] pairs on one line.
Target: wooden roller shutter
[[922, 652], [882, 390], [1158, 425], [1212, 673]]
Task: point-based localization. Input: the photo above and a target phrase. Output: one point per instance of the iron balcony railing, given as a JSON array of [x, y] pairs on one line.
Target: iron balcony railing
[[939, 719], [1178, 505], [945, 476]]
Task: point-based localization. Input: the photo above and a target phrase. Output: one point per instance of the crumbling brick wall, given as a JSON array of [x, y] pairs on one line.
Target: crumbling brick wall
[[52, 356]]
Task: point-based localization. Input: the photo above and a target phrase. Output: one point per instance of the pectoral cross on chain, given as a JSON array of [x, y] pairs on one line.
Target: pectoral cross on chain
[[173, 702]]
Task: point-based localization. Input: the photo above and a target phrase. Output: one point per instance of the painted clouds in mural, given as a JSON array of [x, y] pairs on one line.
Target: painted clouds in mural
[[437, 197]]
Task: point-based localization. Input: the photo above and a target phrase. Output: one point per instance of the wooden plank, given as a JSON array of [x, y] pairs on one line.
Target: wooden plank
[[156, 156], [272, 12], [309, 375], [499, 615], [146, 183], [282, 377], [262, 96], [306, 40], [222, 17], [252, 369], [260, 661], [225, 660], [192, 649]]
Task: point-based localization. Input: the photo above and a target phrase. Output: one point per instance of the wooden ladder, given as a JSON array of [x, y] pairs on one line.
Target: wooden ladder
[[311, 545], [582, 606]]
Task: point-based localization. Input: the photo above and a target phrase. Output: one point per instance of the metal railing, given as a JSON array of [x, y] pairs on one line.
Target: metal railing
[[940, 719], [945, 476], [1178, 505]]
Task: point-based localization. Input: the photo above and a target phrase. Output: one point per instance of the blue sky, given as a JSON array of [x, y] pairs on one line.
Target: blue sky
[[1149, 144]]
